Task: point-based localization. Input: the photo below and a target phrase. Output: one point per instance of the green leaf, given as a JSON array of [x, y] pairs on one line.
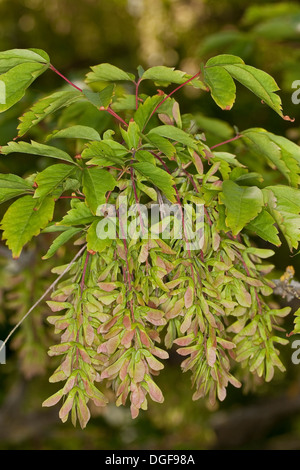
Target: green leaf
[[34, 148], [176, 114], [145, 156], [229, 158], [140, 70], [242, 204], [84, 113], [171, 132], [263, 226], [163, 76], [17, 80], [279, 29], [80, 214], [145, 110], [12, 186], [75, 132], [101, 98], [107, 73], [124, 103], [105, 153], [162, 144], [42, 55], [24, 219], [96, 183], [256, 80], [53, 228], [51, 178], [14, 57], [94, 243], [131, 135], [105, 161], [216, 127], [147, 190], [60, 241], [281, 153], [284, 205], [224, 59], [44, 107], [158, 177], [222, 40], [242, 177], [256, 13], [221, 85], [107, 147]]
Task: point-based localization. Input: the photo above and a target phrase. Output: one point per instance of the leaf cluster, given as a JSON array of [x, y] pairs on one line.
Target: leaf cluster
[[127, 295]]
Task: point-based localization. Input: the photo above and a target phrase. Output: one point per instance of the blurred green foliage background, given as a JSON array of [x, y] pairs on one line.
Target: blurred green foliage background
[[127, 33]]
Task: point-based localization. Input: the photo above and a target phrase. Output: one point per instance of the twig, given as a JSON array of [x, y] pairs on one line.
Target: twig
[[43, 296], [102, 108], [65, 78], [174, 91], [227, 141]]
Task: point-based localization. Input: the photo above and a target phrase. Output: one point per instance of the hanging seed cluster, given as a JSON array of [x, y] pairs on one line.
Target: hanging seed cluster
[[129, 299], [139, 298]]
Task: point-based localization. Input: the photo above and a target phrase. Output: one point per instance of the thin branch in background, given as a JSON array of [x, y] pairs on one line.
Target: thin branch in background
[[102, 108], [50, 288]]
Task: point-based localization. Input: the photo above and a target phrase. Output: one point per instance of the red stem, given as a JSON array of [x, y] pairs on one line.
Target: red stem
[[207, 215], [65, 78], [109, 110], [115, 115], [227, 141], [174, 91], [191, 180]]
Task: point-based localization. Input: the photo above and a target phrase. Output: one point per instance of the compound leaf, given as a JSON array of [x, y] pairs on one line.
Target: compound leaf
[[259, 82]]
